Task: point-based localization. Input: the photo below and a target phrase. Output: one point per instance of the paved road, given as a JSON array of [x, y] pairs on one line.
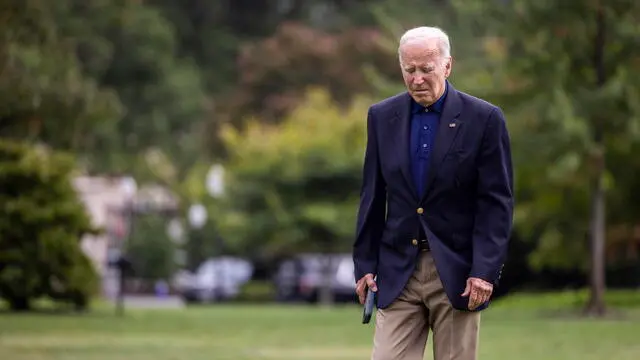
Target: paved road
[[152, 302]]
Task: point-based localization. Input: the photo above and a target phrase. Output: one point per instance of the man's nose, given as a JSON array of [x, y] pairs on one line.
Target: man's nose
[[418, 80]]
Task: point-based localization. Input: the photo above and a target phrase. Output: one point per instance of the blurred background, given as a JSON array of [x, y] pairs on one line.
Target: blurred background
[[180, 179]]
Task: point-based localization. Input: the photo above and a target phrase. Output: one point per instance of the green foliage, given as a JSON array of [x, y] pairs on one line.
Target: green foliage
[[41, 223], [119, 82], [130, 47], [268, 87], [101, 79], [150, 249], [294, 187], [44, 95], [555, 132]]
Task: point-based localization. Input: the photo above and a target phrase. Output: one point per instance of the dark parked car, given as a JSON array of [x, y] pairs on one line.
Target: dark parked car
[[300, 278]]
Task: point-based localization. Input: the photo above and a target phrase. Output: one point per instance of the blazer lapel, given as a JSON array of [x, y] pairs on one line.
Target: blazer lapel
[[402, 140], [448, 129]]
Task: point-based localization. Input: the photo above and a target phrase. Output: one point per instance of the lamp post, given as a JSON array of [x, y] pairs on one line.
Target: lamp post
[[197, 216], [175, 231], [121, 262], [215, 181], [215, 187]]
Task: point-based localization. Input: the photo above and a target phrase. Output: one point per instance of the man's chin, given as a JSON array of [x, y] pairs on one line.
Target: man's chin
[[422, 97]]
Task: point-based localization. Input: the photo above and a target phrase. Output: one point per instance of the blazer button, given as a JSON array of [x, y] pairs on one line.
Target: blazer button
[[420, 210], [414, 242]]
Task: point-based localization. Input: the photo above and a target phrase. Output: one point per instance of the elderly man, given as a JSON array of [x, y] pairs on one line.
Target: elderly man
[[435, 210]]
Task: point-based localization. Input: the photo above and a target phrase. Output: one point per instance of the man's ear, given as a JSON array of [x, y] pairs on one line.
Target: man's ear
[[449, 66]]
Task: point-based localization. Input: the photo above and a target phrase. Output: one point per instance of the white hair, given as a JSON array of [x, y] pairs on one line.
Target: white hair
[[424, 33]]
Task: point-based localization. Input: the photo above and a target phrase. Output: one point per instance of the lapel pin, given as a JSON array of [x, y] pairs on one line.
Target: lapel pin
[[452, 125]]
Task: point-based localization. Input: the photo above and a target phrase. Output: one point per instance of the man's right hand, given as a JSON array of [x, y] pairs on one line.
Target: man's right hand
[[366, 282]]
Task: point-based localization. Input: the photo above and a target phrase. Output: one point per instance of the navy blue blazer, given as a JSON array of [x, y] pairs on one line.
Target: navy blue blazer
[[467, 207]]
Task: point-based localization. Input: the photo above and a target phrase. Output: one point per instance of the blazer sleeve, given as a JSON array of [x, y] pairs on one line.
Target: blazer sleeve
[[372, 208], [494, 202]]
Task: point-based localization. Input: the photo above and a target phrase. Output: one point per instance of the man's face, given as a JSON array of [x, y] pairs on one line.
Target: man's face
[[424, 70]]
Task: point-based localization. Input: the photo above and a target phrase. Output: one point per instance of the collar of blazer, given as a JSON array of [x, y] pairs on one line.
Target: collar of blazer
[[448, 128]]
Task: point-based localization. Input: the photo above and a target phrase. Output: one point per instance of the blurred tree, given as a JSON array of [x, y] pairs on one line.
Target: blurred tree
[[206, 243], [128, 46], [472, 67], [113, 80], [227, 39], [103, 79], [570, 89], [212, 32], [44, 95], [294, 187], [190, 187], [151, 251], [41, 224], [275, 73]]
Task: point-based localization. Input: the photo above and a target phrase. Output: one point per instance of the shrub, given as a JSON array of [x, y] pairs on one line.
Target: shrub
[[41, 224]]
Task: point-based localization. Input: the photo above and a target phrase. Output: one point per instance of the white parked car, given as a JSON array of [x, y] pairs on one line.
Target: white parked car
[[216, 279]]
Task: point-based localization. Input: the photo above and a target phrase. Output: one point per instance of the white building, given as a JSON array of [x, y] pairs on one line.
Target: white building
[[107, 200]]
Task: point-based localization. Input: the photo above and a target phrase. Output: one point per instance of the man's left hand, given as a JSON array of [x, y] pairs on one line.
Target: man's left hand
[[479, 292]]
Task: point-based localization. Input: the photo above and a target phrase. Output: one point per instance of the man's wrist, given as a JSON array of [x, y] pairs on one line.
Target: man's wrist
[[487, 276], [482, 280], [362, 271]]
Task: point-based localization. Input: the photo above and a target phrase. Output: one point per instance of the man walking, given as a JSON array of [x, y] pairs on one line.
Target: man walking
[[436, 208]]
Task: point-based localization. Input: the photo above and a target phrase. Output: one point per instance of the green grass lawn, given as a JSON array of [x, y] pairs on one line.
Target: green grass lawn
[[522, 327]]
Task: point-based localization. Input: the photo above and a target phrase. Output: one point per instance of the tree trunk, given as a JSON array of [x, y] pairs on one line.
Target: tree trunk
[[596, 304], [325, 297]]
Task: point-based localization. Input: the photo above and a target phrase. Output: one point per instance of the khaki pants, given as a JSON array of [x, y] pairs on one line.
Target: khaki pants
[[402, 329]]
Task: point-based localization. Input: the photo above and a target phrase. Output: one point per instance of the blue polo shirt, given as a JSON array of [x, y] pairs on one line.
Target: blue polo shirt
[[424, 124]]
